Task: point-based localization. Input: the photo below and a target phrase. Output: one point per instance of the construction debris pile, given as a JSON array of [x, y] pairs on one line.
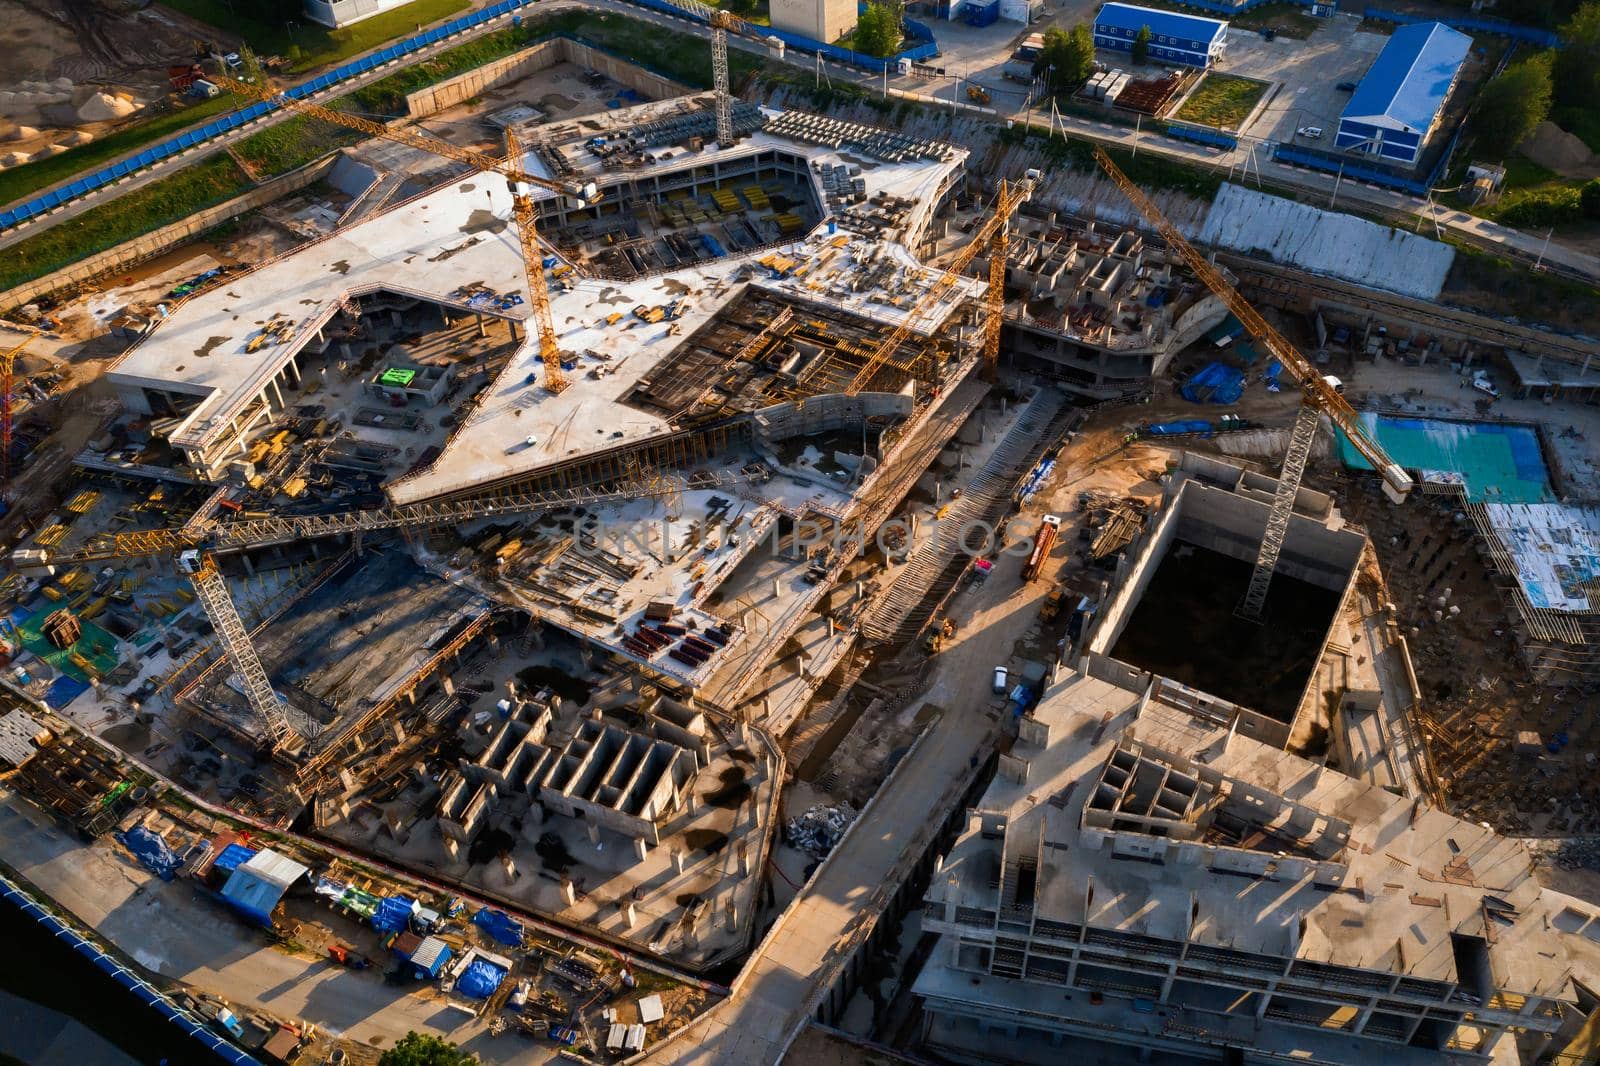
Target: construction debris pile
[[818, 829]]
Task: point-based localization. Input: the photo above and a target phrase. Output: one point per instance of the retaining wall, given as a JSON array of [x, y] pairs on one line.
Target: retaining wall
[[537, 57], [166, 238]]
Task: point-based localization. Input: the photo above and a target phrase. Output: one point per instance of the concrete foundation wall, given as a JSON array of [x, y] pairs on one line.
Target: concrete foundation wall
[[530, 60], [1233, 525], [163, 240]]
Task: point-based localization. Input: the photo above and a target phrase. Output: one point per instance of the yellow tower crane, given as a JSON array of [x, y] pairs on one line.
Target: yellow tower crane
[[1319, 397], [555, 379], [521, 201], [990, 235]]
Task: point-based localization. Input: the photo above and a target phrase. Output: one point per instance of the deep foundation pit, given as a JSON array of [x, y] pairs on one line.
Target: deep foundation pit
[[1185, 628]]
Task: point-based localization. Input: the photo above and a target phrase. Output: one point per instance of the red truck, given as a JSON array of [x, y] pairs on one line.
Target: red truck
[[1049, 526]]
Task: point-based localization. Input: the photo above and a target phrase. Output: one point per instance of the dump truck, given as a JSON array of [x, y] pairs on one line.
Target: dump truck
[[1043, 541], [1052, 604]]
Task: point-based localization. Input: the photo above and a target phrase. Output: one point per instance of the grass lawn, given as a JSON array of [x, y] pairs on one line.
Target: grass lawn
[[20, 182], [306, 44], [1288, 20], [1222, 100], [211, 181]]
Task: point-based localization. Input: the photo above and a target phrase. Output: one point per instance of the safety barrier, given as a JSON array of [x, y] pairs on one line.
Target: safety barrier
[[1354, 171], [142, 990], [244, 116], [181, 143], [1471, 23], [1202, 135]]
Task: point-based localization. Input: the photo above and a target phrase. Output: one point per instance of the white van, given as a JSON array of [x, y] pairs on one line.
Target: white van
[[1000, 680]]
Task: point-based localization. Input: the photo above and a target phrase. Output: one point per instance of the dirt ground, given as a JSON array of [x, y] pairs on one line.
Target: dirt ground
[[94, 44]]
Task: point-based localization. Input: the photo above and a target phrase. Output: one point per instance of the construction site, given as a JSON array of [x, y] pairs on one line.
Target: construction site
[[661, 572]]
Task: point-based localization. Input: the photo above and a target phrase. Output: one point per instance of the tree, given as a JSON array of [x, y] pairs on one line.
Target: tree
[[1067, 58], [1589, 198], [420, 1049], [1512, 104], [1141, 45], [1577, 65], [878, 31]]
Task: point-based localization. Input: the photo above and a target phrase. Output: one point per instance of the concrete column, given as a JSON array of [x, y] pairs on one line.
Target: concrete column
[[447, 684], [568, 892], [397, 319], [690, 804], [348, 781], [509, 865], [594, 833], [640, 849], [677, 859], [733, 913], [277, 392], [294, 370], [452, 848], [629, 915], [399, 730], [776, 591], [482, 330]]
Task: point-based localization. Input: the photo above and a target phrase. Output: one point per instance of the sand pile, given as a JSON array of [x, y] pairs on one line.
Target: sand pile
[[103, 107], [1555, 149]]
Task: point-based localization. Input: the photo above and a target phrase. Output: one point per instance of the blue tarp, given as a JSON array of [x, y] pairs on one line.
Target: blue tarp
[[500, 925], [1172, 429], [481, 979], [151, 851], [393, 914], [233, 856], [1215, 383], [63, 690]]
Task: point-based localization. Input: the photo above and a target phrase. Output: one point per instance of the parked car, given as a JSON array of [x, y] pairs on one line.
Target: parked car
[[1000, 680], [1481, 383], [1346, 86], [1310, 133]]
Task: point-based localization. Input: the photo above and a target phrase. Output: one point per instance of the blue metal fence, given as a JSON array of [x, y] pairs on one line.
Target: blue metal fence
[[925, 49], [141, 989], [1202, 135], [1472, 24], [234, 119], [1285, 153]]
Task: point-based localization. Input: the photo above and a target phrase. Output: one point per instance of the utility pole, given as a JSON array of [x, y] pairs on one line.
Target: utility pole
[[1336, 182]]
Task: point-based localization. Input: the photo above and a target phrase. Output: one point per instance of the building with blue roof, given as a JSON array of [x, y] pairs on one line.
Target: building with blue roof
[[1398, 103], [1188, 40]]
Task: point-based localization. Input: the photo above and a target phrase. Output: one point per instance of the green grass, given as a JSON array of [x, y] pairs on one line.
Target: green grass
[[1289, 20], [30, 178], [1532, 196], [307, 45], [300, 140], [160, 203], [1223, 101], [1149, 171]]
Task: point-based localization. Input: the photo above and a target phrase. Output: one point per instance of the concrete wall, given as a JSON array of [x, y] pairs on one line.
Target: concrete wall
[[541, 56], [163, 240], [821, 20]]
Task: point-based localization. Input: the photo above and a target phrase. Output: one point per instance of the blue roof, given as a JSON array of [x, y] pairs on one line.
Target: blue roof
[[1411, 77], [1169, 23]]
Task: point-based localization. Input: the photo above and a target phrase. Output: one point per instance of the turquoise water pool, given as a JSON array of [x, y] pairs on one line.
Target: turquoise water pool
[[1498, 462]]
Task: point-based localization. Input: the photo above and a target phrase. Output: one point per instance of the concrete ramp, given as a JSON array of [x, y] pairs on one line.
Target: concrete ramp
[[935, 567]]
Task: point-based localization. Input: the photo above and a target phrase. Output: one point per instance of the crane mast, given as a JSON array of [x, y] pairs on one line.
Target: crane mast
[[1011, 197], [533, 264], [211, 588], [721, 23], [1320, 397], [995, 297], [8, 365]]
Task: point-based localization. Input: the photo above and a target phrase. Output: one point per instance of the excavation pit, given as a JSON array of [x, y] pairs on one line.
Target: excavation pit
[[1171, 621]]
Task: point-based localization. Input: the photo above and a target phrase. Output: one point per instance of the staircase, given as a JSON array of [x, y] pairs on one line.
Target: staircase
[[938, 563]]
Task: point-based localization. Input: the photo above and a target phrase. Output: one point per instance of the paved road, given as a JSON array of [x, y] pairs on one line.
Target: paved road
[[172, 929], [784, 979]]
